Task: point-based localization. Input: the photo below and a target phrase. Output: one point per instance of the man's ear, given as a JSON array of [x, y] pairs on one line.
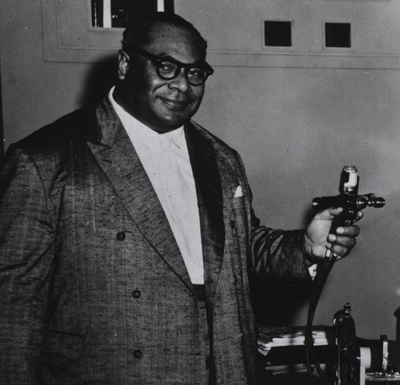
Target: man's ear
[[123, 64]]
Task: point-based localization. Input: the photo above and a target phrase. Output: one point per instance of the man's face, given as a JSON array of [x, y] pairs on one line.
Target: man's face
[[163, 105]]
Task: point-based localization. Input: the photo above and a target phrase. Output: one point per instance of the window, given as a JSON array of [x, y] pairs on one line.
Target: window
[[278, 33], [338, 35], [118, 13]]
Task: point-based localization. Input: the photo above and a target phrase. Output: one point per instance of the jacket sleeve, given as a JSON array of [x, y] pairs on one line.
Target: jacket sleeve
[[278, 255], [275, 255], [27, 247]]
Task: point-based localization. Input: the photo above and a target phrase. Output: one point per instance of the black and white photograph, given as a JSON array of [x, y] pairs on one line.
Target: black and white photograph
[[199, 192]]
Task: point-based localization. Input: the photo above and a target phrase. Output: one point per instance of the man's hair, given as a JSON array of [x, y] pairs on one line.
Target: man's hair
[[138, 31]]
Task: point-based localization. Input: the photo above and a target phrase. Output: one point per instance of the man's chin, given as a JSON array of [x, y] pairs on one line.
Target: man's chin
[[172, 122], [167, 126]]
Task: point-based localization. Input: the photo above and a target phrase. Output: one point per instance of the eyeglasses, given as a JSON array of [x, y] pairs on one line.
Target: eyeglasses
[[169, 68]]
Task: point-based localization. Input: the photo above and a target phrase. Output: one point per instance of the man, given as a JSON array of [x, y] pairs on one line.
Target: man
[[127, 237]]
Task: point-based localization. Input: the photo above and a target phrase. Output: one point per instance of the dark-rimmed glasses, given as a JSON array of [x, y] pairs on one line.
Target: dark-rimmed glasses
[[169, 68]]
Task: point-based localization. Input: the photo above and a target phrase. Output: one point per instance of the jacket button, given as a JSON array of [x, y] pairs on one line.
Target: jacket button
[[136, 293], [233, 224], [121, 236], [137, 353]]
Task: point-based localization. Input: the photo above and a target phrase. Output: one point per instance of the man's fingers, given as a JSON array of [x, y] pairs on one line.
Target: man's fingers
[[341, 240], [339, 250], [350, 231]]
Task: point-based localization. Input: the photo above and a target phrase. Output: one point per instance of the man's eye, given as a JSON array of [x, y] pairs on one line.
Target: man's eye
[[167, 67], [196, 73]]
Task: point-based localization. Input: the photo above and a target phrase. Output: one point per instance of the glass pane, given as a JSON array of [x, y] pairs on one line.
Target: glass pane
[[278, 33]]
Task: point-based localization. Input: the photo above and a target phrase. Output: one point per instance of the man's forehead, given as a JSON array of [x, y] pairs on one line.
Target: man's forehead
[[166, 28], [165, 35]]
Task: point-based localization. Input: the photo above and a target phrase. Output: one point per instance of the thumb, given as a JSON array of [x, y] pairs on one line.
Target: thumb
[[329, 213]]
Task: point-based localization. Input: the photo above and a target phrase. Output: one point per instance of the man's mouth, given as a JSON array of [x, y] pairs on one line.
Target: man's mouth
[[174, 103]]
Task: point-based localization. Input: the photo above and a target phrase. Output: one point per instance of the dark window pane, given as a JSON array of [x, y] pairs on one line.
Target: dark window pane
[[278, 33], [338, 35], [122, 11]]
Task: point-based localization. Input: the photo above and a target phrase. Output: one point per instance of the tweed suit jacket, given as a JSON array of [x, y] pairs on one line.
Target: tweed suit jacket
[[94, 289]]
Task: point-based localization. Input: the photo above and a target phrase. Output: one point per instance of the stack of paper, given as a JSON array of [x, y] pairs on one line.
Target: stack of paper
[[283, 349], [293, 336]]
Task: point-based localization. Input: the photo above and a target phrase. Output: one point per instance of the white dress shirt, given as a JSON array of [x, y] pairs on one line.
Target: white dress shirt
[[165, 158]]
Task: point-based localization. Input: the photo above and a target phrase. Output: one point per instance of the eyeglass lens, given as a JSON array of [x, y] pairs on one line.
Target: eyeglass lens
[[168, 70]]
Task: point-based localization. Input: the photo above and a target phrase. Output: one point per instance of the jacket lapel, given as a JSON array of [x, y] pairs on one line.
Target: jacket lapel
[[209, 196], [119, 161]]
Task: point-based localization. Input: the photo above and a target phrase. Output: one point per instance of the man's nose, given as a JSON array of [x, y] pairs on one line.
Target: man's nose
[[180, 82]]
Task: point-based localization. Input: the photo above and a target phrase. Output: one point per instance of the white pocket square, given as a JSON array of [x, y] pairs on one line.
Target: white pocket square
[[239, 192]]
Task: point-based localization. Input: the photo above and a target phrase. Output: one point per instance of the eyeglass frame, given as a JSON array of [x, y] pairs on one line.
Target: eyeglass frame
[[204, 66]]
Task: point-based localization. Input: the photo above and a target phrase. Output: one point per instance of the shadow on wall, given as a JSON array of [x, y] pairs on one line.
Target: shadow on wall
[[100, 78]]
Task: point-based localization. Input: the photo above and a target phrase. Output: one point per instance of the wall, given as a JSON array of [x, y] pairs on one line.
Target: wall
[[296, 117]]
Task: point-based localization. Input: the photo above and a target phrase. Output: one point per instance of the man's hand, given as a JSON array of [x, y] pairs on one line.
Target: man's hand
[[317, 238]]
